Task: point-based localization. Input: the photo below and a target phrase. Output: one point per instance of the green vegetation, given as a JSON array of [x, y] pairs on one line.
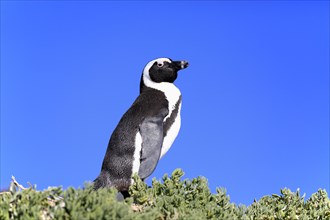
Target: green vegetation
[[172, 198]]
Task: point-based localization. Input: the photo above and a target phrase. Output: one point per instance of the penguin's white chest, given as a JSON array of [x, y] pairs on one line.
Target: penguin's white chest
[[173, 96], [172, 133]]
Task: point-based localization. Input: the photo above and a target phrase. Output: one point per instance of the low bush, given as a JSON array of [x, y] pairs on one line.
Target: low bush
[[171, 198]]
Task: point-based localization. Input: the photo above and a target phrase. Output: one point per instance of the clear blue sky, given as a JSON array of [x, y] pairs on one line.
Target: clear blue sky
[[255, 113]]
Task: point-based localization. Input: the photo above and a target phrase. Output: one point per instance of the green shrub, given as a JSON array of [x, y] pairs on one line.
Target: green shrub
[[171, 198]]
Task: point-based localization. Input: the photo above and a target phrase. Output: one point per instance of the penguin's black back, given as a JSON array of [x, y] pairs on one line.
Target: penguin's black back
[[118, 161]]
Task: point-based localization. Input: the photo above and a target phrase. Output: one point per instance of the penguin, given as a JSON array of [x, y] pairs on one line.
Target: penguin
[[147, 130]]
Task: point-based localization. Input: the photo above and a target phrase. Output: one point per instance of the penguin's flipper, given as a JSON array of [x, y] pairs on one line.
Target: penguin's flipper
[[151, 131]]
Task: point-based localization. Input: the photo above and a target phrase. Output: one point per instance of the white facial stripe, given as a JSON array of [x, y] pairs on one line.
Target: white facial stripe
[[149, 65]]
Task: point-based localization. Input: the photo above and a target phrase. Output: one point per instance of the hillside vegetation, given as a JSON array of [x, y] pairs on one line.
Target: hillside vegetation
[[171, 198]]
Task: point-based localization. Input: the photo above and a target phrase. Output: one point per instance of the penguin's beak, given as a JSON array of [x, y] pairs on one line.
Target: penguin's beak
[[181, 64]]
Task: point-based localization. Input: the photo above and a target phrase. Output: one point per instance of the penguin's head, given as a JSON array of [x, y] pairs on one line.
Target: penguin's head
[[163, 70]]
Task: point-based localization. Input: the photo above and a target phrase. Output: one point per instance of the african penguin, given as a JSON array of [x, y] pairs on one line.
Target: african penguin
[[148, 128]]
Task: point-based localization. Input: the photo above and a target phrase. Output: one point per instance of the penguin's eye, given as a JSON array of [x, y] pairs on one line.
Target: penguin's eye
[[160, 64]]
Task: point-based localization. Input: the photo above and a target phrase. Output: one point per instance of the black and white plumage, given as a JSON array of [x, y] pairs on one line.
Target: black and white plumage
[[148, 128]]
